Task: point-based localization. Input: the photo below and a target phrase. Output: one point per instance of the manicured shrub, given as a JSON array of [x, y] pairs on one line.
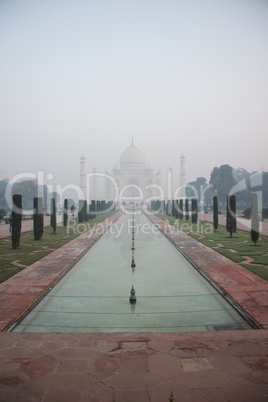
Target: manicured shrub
[[65, 213], [255, 225], [247, 213], [215, 213], [16, 220], [38, 218], [53, 216], [85, 211], [231, 215], [181, 209], [194, 210], [187, 209], [81, 211]]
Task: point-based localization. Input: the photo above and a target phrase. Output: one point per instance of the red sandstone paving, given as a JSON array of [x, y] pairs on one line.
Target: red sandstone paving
[[228, 366], [210, 366]]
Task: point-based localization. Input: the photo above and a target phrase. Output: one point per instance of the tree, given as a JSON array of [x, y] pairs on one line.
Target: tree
[[254, 218], [231, 215], [28, 190], [72, 210], [222, 181], [85, 211], [81, 211], [265, 189], [3, 200], [53, 217], [194, 210], [242, 179], [38, 218], [187, 209], [176, 206], [16, 220], [200, 189], [181, 209], [215, 213], [65, 213]]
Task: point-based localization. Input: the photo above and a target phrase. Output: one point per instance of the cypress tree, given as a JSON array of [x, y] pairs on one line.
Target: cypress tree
[[72, 210], [65, 213], [181, 209], [93, 209], [38, 218], [194, 210], [187, 209], [85, 211], [177, 209], [173, 213], [255, 225], [53, 217], [231, 215], [81, 211], [16, 220], [215, 213]]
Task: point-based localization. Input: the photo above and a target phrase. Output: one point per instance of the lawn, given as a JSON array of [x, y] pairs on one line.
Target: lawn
[[30, 250], [238, 248]]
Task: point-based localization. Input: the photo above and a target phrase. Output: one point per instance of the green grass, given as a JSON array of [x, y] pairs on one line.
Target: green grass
[[31, 250], [237, 248]]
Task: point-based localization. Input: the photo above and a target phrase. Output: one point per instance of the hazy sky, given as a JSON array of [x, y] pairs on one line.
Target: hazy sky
[[84, 77]]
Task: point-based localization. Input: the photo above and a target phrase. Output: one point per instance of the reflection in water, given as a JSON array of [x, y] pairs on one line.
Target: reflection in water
[[94, 295]]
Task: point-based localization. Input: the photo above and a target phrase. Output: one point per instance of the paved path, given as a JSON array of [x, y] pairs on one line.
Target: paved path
[[125, 367], [228, 366]]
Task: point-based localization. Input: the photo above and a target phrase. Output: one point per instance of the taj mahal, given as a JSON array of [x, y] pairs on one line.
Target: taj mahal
[[132, 178]]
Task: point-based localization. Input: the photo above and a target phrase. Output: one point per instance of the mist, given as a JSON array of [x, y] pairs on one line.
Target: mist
[[87, 77]]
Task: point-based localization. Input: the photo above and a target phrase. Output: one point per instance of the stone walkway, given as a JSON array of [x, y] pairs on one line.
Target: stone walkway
[[197, 367], [145, 367]]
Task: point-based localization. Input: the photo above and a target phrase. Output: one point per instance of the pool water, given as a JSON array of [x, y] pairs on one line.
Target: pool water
[[94, 296]]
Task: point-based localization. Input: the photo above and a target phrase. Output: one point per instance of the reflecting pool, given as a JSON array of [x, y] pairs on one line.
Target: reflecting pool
[[94, 296]]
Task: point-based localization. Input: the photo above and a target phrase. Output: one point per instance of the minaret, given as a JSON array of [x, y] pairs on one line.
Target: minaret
[[182, 176], [83, 177]]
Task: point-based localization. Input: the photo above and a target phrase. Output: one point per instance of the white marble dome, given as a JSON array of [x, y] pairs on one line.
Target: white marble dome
[[132, 156]]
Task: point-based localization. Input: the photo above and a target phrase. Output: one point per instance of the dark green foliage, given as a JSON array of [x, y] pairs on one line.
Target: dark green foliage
[[72, 210], [176, 207], [255, 225], [265, 212], [254, 236], [53, 217], [92, 210], [181, 209], [215, 213], [16, 220], [247, 213], [222, 180], [156, 205], [187, 209], [65, 213], [194, 210], [38, 218], [231, 215], [81, 211], [85, 211], [169, 207], [173, 212]]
